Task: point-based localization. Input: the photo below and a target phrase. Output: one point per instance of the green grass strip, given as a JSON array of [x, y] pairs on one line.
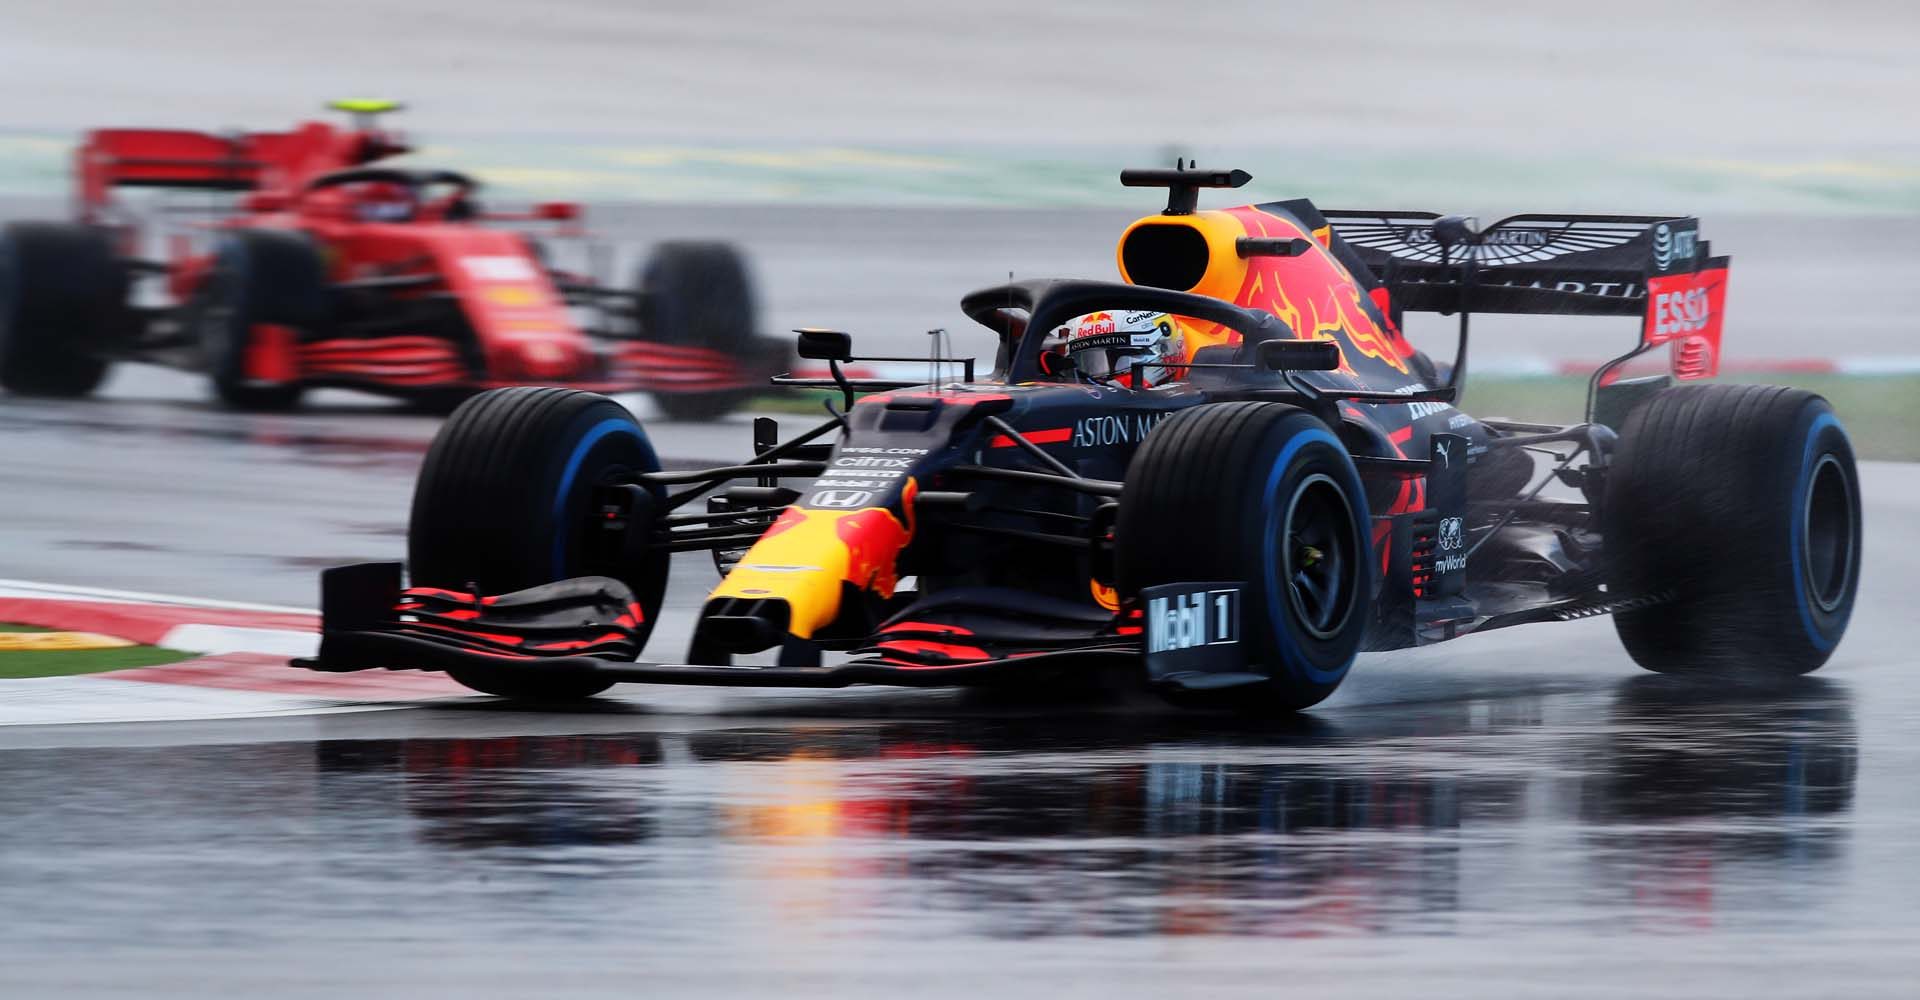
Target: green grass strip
[[16, 664]]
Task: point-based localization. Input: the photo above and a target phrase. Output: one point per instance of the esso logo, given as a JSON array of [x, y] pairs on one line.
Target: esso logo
[[1679, 313]]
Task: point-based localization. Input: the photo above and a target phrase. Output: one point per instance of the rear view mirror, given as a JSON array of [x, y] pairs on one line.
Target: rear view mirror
[[1299, 355], [825, 345], [557, 211]]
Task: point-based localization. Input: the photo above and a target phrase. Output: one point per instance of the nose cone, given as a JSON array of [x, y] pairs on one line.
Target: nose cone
[[546, 359], [799, 568], [540, 352]]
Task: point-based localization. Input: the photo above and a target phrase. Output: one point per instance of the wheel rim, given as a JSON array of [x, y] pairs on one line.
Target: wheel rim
[[1317, 559], [1827, 524]]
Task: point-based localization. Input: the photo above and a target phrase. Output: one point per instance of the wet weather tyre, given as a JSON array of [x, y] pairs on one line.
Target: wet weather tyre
[[1737, 508], [259, 278], [63, 295], [698, 294], [1266, 495], [505, 501]]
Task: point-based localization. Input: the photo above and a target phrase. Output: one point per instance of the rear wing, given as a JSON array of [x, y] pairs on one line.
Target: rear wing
[[1653, 267], [126, 157], [241, 161]]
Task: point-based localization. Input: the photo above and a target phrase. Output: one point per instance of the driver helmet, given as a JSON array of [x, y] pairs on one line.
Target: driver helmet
[[1109, 344], [382, 201]]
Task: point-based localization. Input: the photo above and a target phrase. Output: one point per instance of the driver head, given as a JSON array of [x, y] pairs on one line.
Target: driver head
[[1108, 344], [382, 201]]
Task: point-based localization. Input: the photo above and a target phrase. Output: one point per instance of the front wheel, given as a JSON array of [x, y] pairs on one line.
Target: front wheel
[[1734, 510], [698, 294], [1265, 495], [261, 279], [62, 297], [505, 501]]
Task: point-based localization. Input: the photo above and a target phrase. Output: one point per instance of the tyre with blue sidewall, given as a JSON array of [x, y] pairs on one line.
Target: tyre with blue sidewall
[[506, 501], [1734, 510], [1266, 495]]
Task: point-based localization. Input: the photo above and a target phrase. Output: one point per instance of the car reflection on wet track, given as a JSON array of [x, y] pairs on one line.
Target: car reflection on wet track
[[1423, 821]]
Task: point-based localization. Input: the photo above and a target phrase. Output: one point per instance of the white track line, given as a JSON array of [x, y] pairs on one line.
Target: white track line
[[190, 638], [59, 591], [214, 639]]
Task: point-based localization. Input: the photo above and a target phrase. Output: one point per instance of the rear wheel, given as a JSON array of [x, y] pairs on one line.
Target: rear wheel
[[1737, 507], [261, 278], [698, 294], [63, 297], [1263, 494], [505, 498]]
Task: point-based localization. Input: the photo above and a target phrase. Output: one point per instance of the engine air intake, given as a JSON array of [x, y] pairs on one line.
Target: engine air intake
[[1172, 256]]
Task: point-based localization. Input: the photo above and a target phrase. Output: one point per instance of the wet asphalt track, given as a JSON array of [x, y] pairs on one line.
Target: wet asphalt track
[[1523, 812]]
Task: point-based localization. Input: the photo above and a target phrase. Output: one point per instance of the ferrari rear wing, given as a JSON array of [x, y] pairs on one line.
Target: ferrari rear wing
[[246, 161], [125, 157], [1653, 267]]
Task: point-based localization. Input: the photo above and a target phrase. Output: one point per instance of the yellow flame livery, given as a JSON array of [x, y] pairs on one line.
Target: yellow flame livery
[[1313, 293]]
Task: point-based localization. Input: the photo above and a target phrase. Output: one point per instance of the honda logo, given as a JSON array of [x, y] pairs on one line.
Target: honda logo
[[841, 498]]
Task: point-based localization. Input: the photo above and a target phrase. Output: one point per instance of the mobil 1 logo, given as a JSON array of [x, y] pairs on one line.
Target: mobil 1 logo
[[1192, 628]]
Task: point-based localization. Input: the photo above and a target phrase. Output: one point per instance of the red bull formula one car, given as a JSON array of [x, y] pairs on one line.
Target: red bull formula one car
[[1230, 473], [319, 264]]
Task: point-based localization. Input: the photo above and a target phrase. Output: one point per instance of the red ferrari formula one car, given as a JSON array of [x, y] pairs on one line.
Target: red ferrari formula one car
[[1229, 474], [325, 266]]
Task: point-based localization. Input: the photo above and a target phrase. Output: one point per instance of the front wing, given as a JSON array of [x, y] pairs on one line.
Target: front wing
[[372, 649], [583, 628]]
